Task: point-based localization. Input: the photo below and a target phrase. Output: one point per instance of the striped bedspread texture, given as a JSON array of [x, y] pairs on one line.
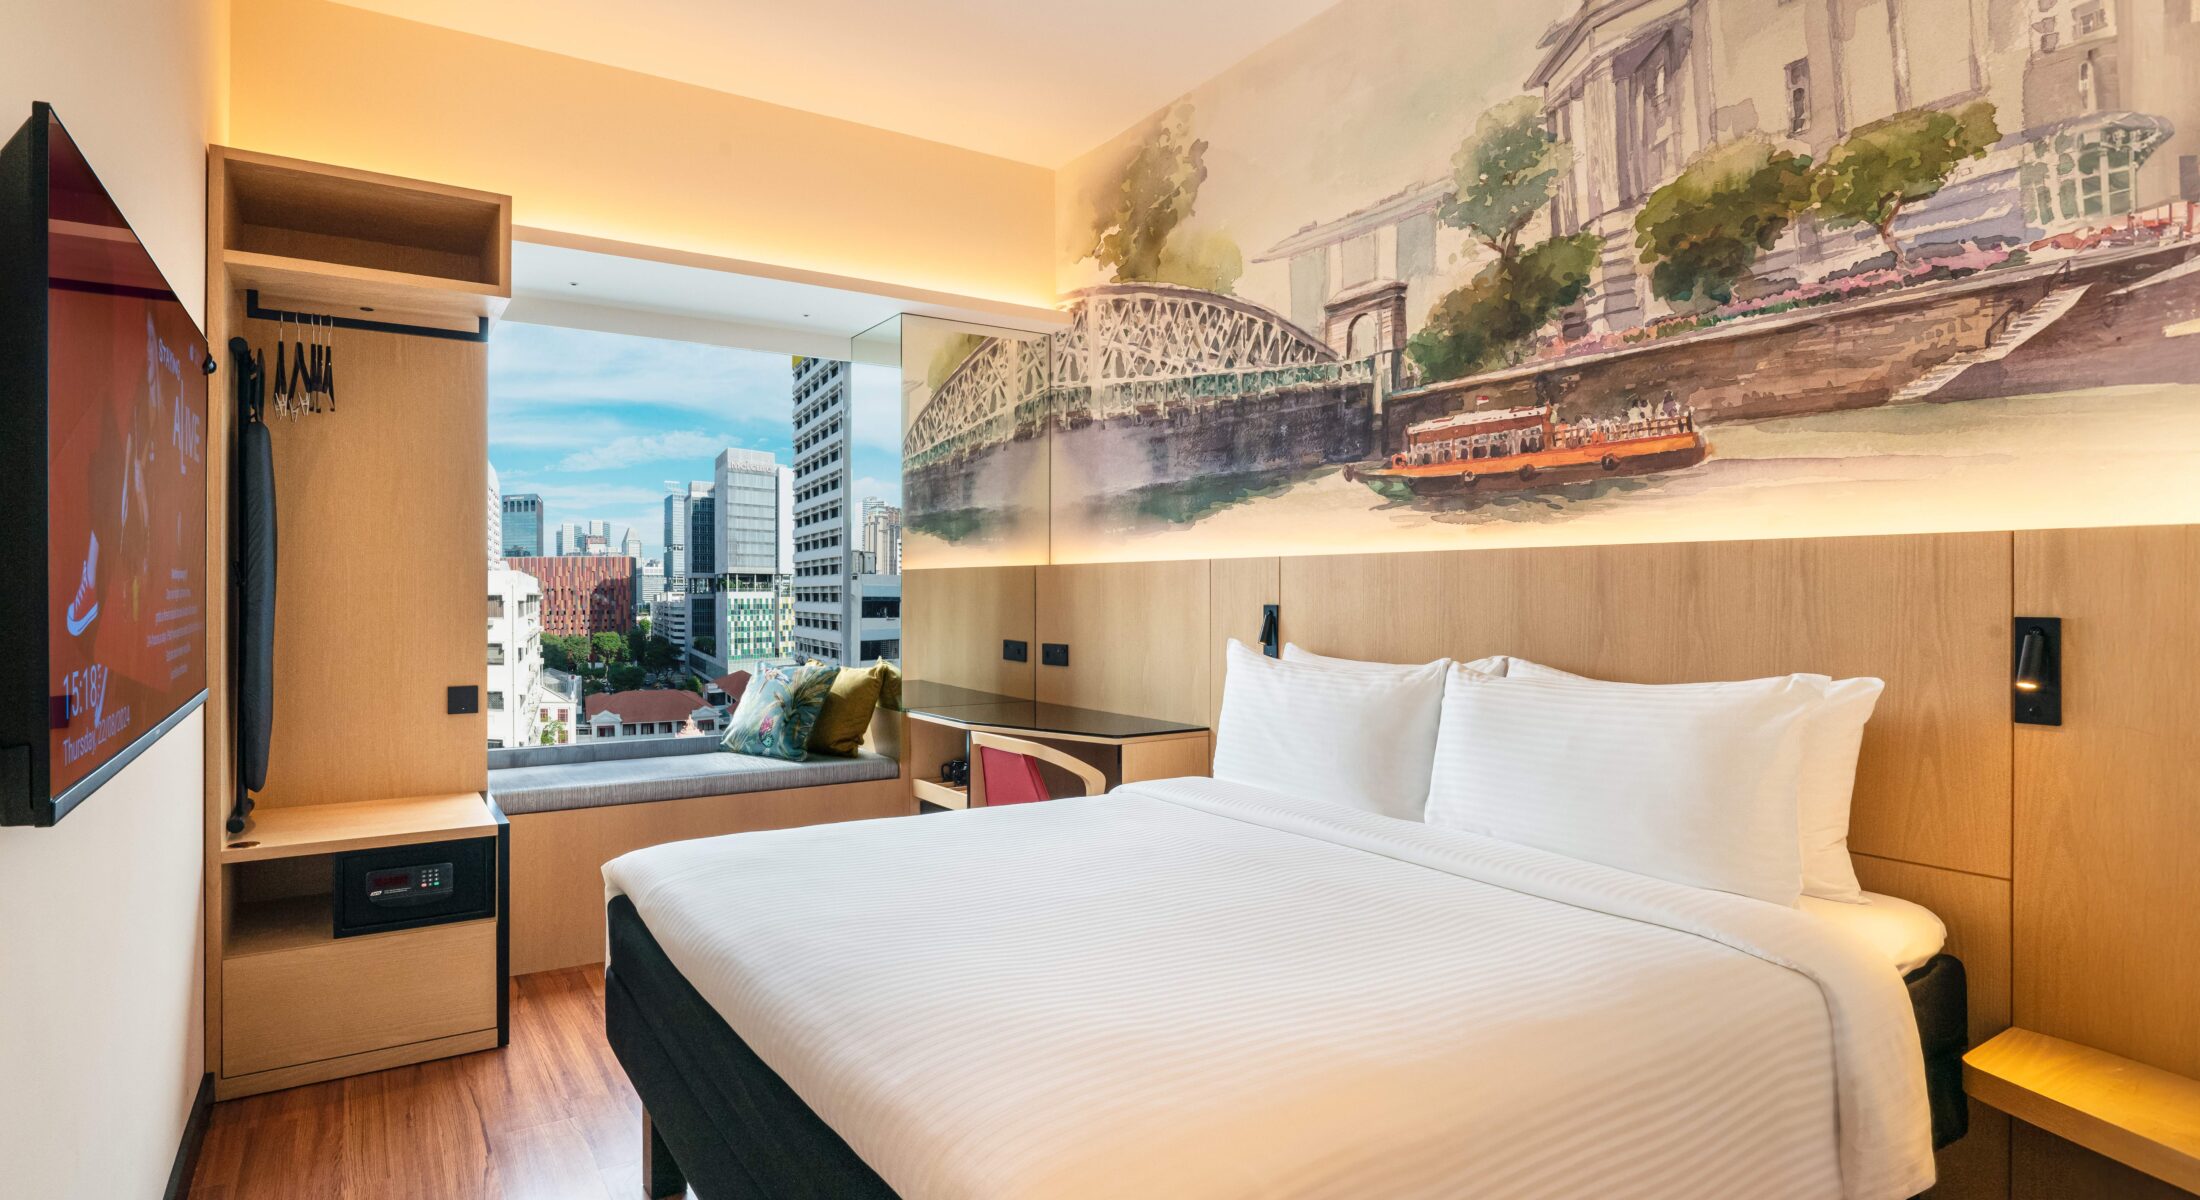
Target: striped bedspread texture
[[1197, 989]]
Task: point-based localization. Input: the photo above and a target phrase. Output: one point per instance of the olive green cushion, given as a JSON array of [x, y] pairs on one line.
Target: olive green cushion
[[889, 691], [846, 716]]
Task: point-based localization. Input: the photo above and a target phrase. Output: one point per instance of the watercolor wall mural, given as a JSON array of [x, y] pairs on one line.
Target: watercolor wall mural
[[1428, 274], [975, 452]]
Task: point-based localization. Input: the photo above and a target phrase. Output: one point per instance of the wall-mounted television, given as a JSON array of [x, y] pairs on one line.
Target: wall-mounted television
[[103, 478]]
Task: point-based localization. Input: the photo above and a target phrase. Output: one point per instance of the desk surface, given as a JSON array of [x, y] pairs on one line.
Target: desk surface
[[965, 706]]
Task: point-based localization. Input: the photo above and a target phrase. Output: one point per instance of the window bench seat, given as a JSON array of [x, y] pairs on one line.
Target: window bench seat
[[655, 774], [574, 808]]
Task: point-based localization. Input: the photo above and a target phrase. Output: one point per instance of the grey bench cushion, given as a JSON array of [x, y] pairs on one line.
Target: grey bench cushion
[[676, 776]]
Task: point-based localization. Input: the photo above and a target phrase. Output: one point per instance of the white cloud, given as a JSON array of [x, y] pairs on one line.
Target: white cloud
[[532, 367], [635, 449]]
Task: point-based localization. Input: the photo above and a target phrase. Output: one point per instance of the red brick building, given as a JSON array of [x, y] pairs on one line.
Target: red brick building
[[583, 594]]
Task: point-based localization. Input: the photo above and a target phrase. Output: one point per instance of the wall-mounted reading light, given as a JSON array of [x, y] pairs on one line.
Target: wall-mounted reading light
[[1271, 638], [2036, 689]]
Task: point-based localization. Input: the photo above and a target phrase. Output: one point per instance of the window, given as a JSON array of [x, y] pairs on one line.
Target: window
[[757, 450], [496, 702], [1798, 92], [1356, 260], [2064, 23]]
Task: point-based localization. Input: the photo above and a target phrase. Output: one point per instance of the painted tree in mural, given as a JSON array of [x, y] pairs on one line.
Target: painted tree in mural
[[1140, 211], [1702, 232], [1888, 165], [1504, 176]]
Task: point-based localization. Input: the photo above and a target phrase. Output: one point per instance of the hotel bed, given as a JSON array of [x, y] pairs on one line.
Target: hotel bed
[[1202, 989]]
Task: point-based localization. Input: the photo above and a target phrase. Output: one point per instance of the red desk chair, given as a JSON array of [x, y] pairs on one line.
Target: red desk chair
[[1005, 770]]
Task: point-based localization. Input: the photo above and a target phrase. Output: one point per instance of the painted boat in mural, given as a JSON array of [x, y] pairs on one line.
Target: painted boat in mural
[[1515, 449]]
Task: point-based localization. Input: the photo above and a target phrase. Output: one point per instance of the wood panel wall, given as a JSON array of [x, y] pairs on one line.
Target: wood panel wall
[[382, 575], [975, 609], [1137, 633], [2062, 859], [2108, 804]]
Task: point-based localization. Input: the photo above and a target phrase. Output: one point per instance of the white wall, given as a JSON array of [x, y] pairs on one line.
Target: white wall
[[100, 960]]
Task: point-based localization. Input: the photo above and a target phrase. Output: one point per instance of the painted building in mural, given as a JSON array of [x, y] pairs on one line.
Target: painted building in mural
[[1895, 259]]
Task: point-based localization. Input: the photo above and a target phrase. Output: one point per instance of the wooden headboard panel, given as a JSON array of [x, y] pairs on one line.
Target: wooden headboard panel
[[1930, 615]]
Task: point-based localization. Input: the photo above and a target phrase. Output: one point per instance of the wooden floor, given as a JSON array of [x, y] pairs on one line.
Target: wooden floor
[[549, 1117]]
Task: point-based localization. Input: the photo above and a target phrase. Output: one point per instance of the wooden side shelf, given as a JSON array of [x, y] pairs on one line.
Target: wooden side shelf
[[946, 795], [2143, 1117], [331, 828]]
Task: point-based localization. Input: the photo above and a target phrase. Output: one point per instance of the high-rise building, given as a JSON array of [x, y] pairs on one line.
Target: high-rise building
[[652, 577], [522, 525], [582, 594], [631, 544], [515, 657], [585, 537], [751, 490], [737, 550], [676, 528], [823, 622], [881, 537]]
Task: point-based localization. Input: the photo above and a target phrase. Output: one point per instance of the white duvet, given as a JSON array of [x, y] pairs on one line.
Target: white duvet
[[1200, 990]]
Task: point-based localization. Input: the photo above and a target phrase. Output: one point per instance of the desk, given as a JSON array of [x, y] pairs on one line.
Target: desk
[[1126, 748]]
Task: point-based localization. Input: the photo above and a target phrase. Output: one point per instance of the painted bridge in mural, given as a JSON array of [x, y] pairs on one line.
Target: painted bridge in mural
[[1130, 349]]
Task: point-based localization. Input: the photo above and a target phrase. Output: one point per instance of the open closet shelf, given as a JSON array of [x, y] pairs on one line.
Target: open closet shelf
[[291, 923], [338, 242], [274, 832], [334, 289]]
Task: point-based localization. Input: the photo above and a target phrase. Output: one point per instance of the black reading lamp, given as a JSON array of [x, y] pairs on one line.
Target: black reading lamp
[[2037, 687]]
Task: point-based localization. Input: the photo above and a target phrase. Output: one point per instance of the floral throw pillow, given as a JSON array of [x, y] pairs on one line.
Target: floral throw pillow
[[777, 712]]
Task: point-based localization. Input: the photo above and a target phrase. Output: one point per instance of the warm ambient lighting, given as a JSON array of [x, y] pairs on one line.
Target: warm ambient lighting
[[2036, 680], [2031, 658]]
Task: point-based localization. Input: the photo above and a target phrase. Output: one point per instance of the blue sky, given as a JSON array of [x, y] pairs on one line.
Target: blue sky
[[598, 423]]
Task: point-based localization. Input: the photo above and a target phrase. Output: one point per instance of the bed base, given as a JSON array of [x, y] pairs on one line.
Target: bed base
[[715, 1118]]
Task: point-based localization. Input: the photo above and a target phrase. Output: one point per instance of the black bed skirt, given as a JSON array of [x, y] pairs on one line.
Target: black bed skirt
[[740, 1133]]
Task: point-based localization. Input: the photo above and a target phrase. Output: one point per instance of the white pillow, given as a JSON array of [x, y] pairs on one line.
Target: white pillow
[[1695, 785], [1828, 780], [1293, 652], [1361, 737]]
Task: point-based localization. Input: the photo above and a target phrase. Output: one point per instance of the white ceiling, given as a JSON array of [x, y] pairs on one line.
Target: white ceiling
[[1037, 82], [587, 283]]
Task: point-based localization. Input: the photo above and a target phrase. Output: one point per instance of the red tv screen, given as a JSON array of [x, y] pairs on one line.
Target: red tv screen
[[126, 483]]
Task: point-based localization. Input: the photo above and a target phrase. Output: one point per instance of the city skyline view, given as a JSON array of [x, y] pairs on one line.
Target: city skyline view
[[597, 424]]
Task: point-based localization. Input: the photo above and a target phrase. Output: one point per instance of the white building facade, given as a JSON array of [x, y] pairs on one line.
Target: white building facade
[[514, 658], [823, 624], [738, 548]]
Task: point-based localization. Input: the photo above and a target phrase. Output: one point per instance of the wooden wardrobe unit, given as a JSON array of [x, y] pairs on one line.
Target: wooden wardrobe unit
[[381, 584]]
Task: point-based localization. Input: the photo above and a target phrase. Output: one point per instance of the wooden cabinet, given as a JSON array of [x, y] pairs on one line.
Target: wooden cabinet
[[332, 999], [297, 1004]]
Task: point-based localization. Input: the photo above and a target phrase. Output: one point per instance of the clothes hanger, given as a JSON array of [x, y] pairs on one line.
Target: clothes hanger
[[282, 375], [301, 383]]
